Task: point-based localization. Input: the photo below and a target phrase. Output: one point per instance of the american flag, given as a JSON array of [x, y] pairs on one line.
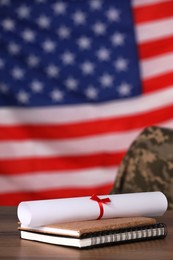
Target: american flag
[[78, 81]]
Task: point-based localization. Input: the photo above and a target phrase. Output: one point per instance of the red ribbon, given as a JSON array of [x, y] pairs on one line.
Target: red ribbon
[[100, 203]]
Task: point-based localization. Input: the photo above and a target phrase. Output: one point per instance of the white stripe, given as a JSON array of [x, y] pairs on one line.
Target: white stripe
[[139, 3], [154, 30], [49, 180], [156, 66], [167, 124], [82, 113], [110, 143], [76, 146]]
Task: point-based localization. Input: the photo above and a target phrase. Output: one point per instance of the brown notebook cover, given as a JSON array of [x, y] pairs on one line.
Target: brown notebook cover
[[96, 232], [77, 229]]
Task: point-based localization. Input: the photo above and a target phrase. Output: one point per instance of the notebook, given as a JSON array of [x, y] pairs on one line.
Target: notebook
[[92, 233]]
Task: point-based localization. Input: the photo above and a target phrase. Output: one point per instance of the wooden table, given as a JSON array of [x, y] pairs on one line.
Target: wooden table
[[12, 247]]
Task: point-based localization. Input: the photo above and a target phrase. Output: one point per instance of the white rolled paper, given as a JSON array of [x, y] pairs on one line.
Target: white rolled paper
[[44, 212]]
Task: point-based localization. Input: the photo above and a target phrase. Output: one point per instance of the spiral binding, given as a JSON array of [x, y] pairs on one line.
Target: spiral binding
[[133, 234]]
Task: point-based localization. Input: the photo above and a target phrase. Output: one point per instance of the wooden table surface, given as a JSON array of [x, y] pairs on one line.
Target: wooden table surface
[[12, 247]]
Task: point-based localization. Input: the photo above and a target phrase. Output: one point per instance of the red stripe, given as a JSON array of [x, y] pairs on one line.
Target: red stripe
[[14, 199], [52, 132], [153, 12], [154, 48], [20, 166], [159, 82]]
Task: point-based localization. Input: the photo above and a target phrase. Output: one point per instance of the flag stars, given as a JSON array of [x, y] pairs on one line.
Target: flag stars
[[63, 32], [40, 1], [56, 95], [8, 24], [80, 58], [91, 93], [17, 73], [59, 8], [124, 89], [79, 18], [36, 86], [52, 71], [13, 48], [87, 68], [106, 80], [28, 35], [71, 83], [43, 21], [4, 2], [23, 97], [3, 88], [23, 12], [2, 64], [117, 39], [103, 54], [95, 4], [113, 15], [121, 64], [33, 61], [49, 46], [68, 58], [99, 28], [84, 43]]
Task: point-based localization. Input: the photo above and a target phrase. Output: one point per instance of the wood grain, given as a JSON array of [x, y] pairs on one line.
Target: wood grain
[[12, 247]]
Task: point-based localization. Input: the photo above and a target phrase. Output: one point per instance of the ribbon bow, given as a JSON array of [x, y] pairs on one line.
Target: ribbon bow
[[100, 203]]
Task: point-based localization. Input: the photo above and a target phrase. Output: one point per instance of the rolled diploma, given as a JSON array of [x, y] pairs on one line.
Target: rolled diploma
[[43, 212]]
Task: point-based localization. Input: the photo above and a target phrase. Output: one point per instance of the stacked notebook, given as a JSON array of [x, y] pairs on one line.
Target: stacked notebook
[[91, 221], [92, 233]]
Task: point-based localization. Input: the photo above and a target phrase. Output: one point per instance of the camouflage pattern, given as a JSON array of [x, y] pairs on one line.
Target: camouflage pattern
[[148, 164]]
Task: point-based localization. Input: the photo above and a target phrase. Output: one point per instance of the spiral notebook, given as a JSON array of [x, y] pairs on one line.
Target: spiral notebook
[[94, 233]]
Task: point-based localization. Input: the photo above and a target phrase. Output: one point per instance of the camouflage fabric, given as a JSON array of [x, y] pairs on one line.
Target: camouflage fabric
[[148, 164]]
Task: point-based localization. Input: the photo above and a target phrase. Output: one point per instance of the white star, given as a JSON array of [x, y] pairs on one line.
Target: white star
[[59, 8], [37, 86], [1, 64], [113, 15], [23, 11], [4, 2], [43, 21], [56, 95], [63, 32], [117, 39], [3, 88], [13, 48], [71, 83], [87, 67], [124, 89], [52, 71], [68, 58], [23, 97], [48, 45], [99, 28], [8, 24], [121, 64], [17, 73], [91, 92], [103, 54], [84, 42], [28, 35], [95, 4], [106, 80], [79, 17], [41, 1], [33, 61]]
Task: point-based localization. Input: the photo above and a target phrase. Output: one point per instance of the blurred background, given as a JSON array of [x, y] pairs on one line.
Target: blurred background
[[79, 80]]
